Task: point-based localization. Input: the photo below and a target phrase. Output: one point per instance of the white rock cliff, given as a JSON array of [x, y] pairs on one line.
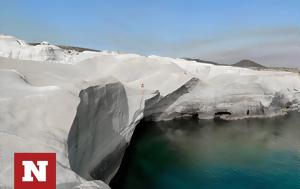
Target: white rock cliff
[[84, 106]]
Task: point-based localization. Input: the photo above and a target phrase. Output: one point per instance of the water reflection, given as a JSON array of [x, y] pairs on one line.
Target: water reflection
[[253, 153]]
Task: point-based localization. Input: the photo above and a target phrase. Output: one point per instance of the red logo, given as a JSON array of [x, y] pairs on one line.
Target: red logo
[[35, 171]]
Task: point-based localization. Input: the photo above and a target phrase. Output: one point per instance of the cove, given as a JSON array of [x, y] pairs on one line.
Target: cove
[[213, 154]]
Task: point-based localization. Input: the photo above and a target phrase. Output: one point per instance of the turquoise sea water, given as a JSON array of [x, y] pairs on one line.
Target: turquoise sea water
[[215, 154]]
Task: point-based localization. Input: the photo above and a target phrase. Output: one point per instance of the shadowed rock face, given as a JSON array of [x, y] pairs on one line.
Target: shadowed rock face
[[155, 107], [95, 145]]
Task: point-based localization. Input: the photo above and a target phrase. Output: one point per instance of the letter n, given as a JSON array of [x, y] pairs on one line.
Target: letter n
[[35, 171]]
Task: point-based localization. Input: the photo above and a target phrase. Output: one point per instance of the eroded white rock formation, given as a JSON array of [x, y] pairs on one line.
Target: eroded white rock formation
[[84, 106]]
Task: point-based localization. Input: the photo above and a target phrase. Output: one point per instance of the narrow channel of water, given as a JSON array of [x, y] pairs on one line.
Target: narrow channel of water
[[214, 154]]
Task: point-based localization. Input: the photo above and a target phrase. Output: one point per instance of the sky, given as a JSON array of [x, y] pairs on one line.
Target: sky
[[226, 31]]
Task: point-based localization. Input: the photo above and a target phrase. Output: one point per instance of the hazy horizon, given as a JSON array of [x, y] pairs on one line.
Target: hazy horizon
[[265, 31]]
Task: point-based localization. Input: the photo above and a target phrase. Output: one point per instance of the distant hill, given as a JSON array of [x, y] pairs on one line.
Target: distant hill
[[248, 64], [78, 49], [243, 63], [202, 61]]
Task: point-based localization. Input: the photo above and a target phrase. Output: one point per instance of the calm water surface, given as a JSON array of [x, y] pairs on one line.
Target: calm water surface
[[193, 154]]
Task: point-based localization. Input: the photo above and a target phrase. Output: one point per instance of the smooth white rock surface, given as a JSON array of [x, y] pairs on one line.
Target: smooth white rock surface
[[40, 87]]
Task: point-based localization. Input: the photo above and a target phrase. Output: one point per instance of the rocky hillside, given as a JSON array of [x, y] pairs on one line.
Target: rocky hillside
[[248, 64]]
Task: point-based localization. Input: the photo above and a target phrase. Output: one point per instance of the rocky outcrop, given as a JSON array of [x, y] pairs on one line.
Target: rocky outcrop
[[12, 47]]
